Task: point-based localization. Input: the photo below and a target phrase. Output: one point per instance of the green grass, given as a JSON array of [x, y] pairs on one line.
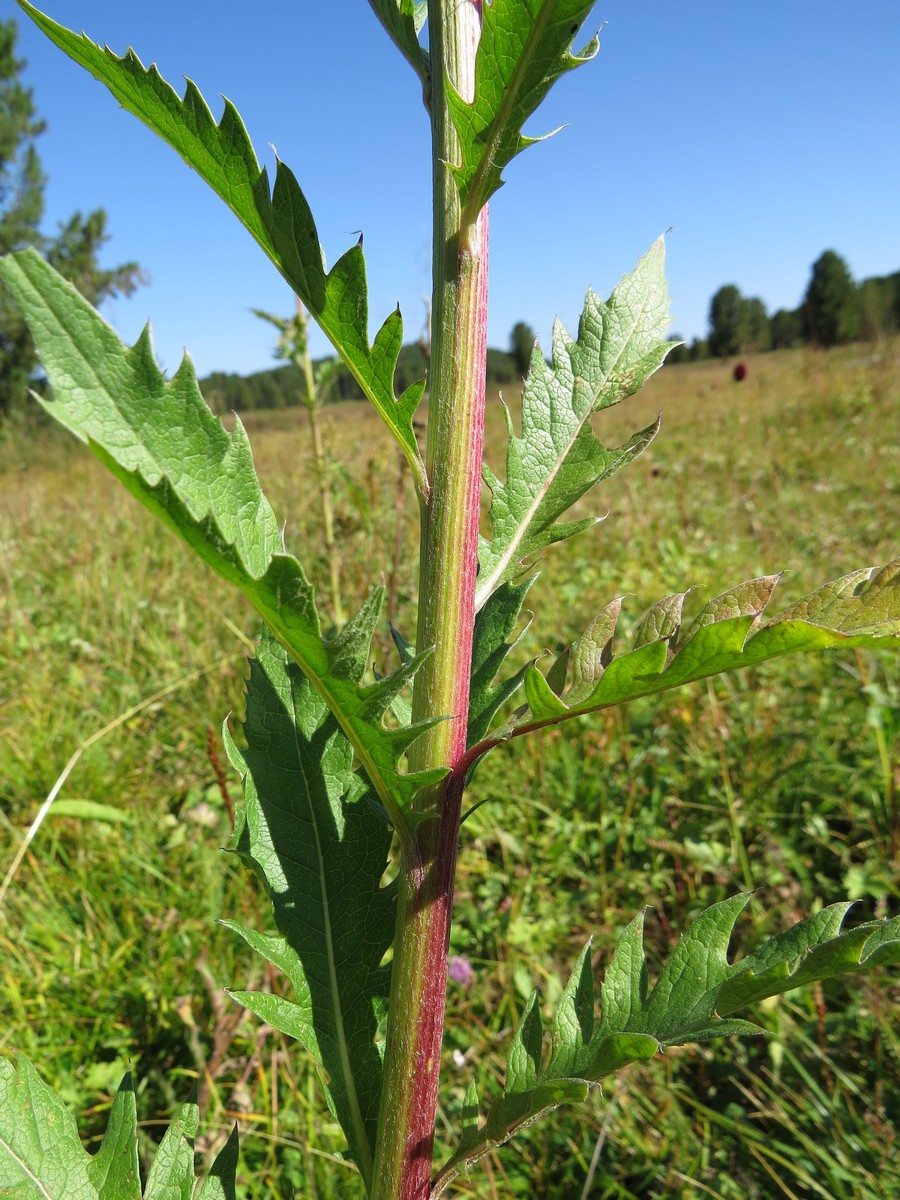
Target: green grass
[[784, 780]]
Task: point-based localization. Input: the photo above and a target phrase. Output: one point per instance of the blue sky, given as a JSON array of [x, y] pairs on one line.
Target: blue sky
[[760, 134]]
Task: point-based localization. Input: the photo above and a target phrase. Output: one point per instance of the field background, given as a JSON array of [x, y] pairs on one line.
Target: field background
[[784, 779]]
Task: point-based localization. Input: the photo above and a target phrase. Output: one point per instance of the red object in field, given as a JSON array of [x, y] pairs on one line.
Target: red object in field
[[740, 372]]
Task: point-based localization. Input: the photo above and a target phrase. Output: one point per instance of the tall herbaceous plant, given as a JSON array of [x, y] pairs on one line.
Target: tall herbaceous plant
[[340, 764]]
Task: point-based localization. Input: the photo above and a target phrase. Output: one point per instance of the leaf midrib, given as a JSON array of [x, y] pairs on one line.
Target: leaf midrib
[[356, 1116], [25, 1169], [501, 120]]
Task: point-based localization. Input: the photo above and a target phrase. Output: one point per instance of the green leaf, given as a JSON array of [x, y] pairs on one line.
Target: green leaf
[[592, 652], [160, 439], [685, 994], [698, 989], [523, 1063], [533, 1090], [280, 221], [469, 1117], [492, 641], [172, 1173], [813, 950], [219, 1184], [321, 850], [558, 458], [573, 1022], [860, 609], [114, 1169], [404, 21], [661, 622], [41, 1154], [525, 46], [692, 1001], [42, 1158]]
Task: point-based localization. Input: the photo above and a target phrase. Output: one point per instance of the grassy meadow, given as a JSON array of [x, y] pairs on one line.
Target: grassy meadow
[[783, 780]]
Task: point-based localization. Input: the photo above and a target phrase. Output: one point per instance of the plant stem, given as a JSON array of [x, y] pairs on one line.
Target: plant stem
[[446, 618]]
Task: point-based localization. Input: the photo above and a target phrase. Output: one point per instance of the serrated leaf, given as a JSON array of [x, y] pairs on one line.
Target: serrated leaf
[[294, 1018], [159, 438], [811, 951], [745, 600], [573, 1021], [625, 982], [661, 622], [469, 1117], [41, 1154], [492, 641], [322, 851], [687, 987], [729, 633], [525, 46], [858, 603], [219, 1184], [172, 1173], [404, 21], [557, 458], [280, 221], [691, 1001], [114, 1169], [523, 1062], [591, 654], [558, 672], [698, 988]]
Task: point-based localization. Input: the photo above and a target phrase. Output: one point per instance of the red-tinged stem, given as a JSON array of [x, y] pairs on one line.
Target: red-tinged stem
[[448, 567]]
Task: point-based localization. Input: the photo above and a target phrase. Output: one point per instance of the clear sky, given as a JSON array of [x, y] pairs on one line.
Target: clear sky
[[760, 133]]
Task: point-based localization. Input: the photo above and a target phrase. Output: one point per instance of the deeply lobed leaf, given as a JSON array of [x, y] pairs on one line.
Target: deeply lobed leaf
[[41, 1154], [160, 439], [525, 46], [692, 1001], [279, 219], [493, 639], [40, 1151], [321, 850], [558, 458], [859, 609]]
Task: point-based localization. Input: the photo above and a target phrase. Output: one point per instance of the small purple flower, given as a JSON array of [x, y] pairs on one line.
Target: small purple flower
[[461, 970]]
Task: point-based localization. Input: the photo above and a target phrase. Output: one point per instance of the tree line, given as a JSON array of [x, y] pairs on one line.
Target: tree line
[[834, 310], [74, 252], [283, 386]]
